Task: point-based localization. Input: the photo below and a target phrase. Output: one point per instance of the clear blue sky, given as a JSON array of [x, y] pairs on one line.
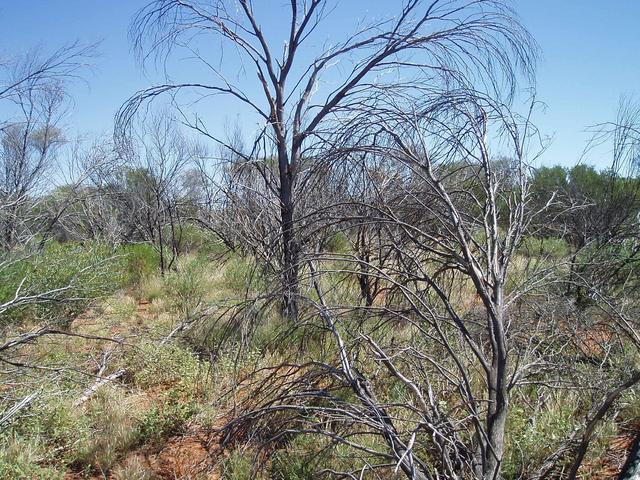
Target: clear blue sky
[[591, 55]]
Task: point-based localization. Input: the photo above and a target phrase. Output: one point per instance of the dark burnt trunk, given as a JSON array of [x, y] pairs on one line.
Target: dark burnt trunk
[[290, 248]]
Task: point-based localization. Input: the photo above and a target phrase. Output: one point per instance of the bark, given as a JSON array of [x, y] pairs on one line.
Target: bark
[[498, 391], [290, 245]]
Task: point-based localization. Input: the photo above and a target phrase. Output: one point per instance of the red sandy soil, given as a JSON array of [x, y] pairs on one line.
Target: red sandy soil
[[195, 455]]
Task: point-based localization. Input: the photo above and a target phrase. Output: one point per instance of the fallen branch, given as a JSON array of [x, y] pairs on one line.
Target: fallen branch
[[22, 404], [185, 324], [88, 393], [100, 380]]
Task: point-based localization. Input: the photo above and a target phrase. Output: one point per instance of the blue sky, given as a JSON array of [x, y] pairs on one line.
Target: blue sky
[[591, 55]]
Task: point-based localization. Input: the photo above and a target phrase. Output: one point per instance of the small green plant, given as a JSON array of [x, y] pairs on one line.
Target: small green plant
[[20, 459], [152, 288], [142, 261], [630, 406], [59, 424], [48, 435], [168, 365], [269, 333], [122, 307], [534, 435], [194, 239], [112, 430], [75, 273], [338, 243], [553, 248], [240, 466], [187, 287], [168, 418], [240, 274], [299, 460]]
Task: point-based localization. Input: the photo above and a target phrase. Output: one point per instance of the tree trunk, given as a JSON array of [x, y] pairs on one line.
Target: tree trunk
[[10, 228], [290, 268], [364, 278], [160, 238], [498, 390], [290, 247], [496, 421]]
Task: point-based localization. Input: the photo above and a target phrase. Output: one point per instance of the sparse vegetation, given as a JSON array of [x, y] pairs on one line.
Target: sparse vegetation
[[380, 284]]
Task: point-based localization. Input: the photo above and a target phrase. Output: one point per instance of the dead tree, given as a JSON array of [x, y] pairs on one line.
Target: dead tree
[[33, 97], [155, 160], [89, 204], [26, 158], [36, 70], [444, 337], [426, 39]]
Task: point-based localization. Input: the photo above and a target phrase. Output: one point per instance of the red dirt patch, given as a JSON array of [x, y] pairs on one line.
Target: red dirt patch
[[610, 465], [186, 457]]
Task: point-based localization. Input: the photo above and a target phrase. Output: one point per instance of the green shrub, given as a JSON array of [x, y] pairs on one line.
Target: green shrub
[[187, 287], [268, 333], [194, 239], [630, 406], [623, 255], [112, 428], [48, 435], [87, 438], [151, 288], [141, 262], [154, 365], [122, 307], [338, 243], [554, 248], [532, 435], [300, 459], [20, 459], [53, 422], [239, 274], [168, 418], [239, 465], [91, 270]]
